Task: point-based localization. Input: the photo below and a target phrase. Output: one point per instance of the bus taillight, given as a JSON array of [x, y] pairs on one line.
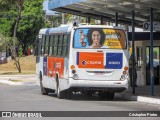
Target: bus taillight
[[73, 71], [72, 67], [125, 68]]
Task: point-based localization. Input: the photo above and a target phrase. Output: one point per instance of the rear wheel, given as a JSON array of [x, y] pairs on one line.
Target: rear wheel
[[43, 90]]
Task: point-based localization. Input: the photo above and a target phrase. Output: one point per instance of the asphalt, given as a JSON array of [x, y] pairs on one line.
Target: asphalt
[[142, 93]]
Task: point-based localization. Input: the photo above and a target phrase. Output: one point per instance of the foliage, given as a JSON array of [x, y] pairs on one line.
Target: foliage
[[53, 21], [68, 16], [6, 42], [93, 22], [19, 20], [6, 4], [31, 20]]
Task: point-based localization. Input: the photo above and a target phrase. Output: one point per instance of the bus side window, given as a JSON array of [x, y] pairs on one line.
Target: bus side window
[[46, 45], [39, 46], [64, 48], [43, 45], [68, 45], [60, 45], [51, 45], [55, 45]]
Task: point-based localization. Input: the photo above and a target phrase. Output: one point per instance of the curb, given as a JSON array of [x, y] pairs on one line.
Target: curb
[[10, 82], [138, 98], [14, 83]]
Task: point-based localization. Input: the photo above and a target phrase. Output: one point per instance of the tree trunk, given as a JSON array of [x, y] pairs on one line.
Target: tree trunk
[[18, 66], [14, 55], [20, 4]]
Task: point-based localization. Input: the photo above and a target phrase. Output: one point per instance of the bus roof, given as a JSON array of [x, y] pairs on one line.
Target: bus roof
[[67, 28], [100, 26], [60, 29]]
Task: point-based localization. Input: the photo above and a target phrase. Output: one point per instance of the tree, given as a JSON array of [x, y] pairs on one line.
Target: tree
[[22, 19], [22, 28], [32, 20], [6, 4], [5, 8], [7, 43], [20, 5], [54, 20]]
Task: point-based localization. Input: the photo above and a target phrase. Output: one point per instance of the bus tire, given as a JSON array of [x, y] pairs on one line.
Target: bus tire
[[60, 94], [43, 91]]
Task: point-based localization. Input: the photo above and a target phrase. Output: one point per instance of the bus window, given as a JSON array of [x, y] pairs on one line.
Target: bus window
[[99, 38], [39, 46], [68, 45], [55, 45], [51, 45], [60, 40], [43, 45], [64, 48], [46, 45]]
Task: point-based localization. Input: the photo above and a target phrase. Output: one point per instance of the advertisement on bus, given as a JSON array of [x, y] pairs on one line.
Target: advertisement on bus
[[99, 38]]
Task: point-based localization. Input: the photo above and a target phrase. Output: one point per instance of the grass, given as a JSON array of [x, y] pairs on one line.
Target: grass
[[28, 66]]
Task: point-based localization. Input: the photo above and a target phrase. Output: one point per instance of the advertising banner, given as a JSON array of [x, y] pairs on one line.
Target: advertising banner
[[99, 38]]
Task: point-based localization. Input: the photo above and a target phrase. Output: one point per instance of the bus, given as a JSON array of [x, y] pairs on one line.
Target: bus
[[90, 59]]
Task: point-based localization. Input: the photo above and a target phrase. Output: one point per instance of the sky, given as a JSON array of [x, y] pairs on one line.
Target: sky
[[45, 7]]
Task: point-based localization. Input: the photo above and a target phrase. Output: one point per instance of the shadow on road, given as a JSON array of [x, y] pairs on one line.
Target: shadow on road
[[82, 97]]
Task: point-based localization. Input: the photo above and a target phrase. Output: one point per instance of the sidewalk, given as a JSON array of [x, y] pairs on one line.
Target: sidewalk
[[142, 93], [18, 79]]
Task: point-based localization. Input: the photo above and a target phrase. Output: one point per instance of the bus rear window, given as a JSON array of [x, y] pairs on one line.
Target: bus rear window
[[99, 38]]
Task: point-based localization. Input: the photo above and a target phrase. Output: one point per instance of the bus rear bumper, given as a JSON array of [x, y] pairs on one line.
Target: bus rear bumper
[[117, 86]]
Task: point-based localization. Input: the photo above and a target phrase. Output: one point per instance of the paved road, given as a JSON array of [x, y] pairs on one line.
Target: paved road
[[25, 96], [28, 98]]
